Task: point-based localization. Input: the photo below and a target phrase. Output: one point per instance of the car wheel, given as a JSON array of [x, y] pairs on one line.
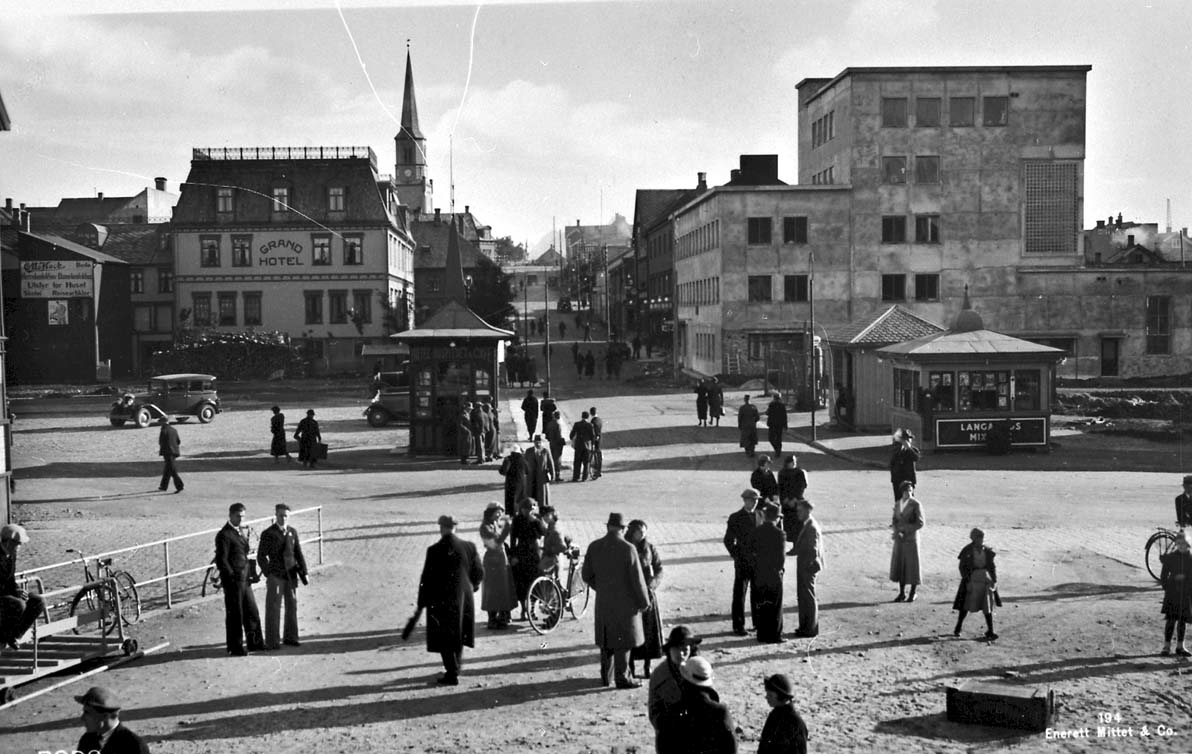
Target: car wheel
[[117, 422], [143, 418], [206, 413], [378, 417]]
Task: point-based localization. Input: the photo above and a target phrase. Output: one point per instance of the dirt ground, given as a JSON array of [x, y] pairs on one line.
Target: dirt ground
[[1080, 615]]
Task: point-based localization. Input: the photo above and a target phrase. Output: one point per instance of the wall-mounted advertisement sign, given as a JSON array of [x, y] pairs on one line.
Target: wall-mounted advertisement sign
[[968, 433], [57, 278]]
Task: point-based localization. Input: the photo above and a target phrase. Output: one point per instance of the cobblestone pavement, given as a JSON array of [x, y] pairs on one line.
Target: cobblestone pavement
[[1081, 614]]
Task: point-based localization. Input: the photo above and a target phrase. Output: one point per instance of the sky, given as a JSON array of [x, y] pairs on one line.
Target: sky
[[551, 112]]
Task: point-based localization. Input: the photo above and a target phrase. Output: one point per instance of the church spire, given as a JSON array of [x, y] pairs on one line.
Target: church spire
[[409, 107]]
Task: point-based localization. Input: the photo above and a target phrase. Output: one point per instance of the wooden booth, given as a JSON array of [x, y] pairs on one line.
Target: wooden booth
[[971, 387]]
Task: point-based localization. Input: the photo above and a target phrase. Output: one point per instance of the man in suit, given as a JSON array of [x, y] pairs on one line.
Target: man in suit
[[241, 620], [104, 731], [450, 576], [1183, 504], [809, 554], [463, 433], [769, 568], [280, 557], [597, 462], [168, 444], [582, 438], [540, 472], [612, 569], [739, 541]]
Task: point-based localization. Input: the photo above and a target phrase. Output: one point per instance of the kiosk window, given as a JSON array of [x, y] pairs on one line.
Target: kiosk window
[[943, 390], [984, 391], [1026, 390], [906, 382]]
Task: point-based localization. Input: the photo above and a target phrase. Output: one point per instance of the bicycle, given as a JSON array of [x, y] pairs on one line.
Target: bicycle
[[1159, 544], [96, 592], [211, 576], [548, 598]]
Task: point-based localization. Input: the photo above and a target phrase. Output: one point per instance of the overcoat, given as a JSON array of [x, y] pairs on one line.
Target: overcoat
[[463, 434], [1176, 578], [701, 402], [540, 470], [651, 648], [498, 580], [277, 428], [715, 401], [530, 412], [747, 418], [450, 576], [700, 724], [764, 482], [168, 442], [513, 468], [307, 434], [966, 570], [612, 569], [902, 464], [776, 418], [904, 559]]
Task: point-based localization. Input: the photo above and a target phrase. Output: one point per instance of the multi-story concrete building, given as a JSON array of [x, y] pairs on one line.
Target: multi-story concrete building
[[308, 241]]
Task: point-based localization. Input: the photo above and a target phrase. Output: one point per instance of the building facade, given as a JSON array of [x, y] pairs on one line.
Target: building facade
[[308, 241]]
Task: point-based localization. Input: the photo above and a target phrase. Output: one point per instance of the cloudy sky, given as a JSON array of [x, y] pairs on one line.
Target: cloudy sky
[[556, 110]]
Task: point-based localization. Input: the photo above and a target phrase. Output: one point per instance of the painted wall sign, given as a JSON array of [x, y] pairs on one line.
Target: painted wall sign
[[57, 278], [969, 433], [280, 252]]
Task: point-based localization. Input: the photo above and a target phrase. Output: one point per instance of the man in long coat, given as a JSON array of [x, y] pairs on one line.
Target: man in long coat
[[776, 422], [451, 575], [529, 408], [742, 548], [583, 437], [463, 432], [768, 570], [540, 472], [809, 554], [481, 424], [747, 419], [492, 437], [612, 569]]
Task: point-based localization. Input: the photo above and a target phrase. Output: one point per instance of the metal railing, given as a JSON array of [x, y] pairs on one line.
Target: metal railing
[[165, 588], [284, 153]]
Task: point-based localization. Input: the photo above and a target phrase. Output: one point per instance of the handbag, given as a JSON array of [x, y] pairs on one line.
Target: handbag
[[320, 451]]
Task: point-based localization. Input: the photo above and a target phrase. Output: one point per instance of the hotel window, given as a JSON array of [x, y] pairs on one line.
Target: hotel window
[[353, 250], [335, 199], [241, 251], [927, 169], [337, 307], [927, 228], [1158, 324], [927, 112], [201, 306], [927, 287], [252, 309], [136, 281], [893, 229], [224, 201], [794, 230], [320, 249], [281, 199], [759, 231], [165, 281], [893, 112], [995, 111], [893, 287], [209, 251], [362, 305], [227, 308], [313, 307], [794, 287], [894, 169], [961, 111], [759, 288]]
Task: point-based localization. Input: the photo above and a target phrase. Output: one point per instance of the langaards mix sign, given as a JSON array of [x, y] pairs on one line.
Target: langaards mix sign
[[57, 278], [967, 433]]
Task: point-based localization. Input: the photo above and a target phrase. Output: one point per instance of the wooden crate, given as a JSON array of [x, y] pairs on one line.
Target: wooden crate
[[1003, 704]]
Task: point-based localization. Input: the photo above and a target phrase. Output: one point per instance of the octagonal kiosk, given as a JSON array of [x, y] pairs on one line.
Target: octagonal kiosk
[[971, 387]]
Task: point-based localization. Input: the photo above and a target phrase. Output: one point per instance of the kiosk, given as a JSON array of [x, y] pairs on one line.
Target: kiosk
[[971, 387]]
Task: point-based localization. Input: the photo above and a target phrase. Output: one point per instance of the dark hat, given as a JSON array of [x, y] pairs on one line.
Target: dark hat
[[99, 699], [805, 503], [781, 685], [617, 520], [447, 521], [15, 532], [750, 494], [681, 636], [310, 412], [275, 409], [1188, 479], [770, 511], [163, 420]]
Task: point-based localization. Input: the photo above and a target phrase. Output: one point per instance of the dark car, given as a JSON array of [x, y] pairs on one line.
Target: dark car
[[565, 305], [392, 399], [179, 396]]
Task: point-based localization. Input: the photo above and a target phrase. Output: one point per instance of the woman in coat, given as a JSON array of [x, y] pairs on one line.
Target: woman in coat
[[700, 724], [666, 684], [277, 428], [1176, 578], [904, 560], [527, 532], [497, 598], [651, 619], [308, 436], [701, 403], [978, 583], [715, 402], [513, 468]]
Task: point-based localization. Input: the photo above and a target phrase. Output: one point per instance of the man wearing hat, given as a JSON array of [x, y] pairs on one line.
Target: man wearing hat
[[747, 419], [700, 723], [451, 575], [666, 682], [540, 472], [104, 732], [463, 432], [1183, 504], [809, 557], [168, 445], [18, 608], [308, 436], [769, 568], [740, 543], [784, 731], [612, 569]]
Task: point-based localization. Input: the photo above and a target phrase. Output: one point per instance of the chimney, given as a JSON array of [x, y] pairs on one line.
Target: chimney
[[438, 217], [8, 204], [1119, 218], [160, 183], [1100, 224], [1129, 240], [467, 209], [701, 181], [734, 174]]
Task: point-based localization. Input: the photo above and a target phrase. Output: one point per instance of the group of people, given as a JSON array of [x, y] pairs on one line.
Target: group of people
[[776, 424], [478, 431], [709, 402], [307, 434]]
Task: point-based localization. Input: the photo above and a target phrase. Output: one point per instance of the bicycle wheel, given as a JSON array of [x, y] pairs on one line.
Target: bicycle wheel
[[85, 600], [210, 581], [1160, 543], [544, 605], [130, 600], [578, 592]]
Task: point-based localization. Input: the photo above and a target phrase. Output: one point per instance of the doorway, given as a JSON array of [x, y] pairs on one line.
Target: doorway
[[1109, 357]]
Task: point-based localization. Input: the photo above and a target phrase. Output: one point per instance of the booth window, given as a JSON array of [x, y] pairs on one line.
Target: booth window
[[906, 383], [943, 390], [983, 391], [1026, 390]]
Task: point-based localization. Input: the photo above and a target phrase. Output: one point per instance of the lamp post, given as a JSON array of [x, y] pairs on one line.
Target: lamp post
[[814, 359]]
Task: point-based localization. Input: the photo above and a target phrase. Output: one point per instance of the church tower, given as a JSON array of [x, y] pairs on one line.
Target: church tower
[[414, 188]]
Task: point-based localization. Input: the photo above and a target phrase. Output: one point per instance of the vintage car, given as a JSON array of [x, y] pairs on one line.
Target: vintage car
[[178, 396], [391, 400]]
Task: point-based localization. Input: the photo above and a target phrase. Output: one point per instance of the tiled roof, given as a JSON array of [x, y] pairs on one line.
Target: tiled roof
[[549, 257], [430, 245], [89, 209], [894, 325], [135, 243], [985, 342]]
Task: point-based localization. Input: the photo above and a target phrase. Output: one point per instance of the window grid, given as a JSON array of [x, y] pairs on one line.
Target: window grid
[[927, 169], [893, 229], [335, 199], [1051, 221], [893, 112], [927, 287], [759, 288], [241, 251], [893, 287], [1158, 324], [320, 249], [227, 309], [136, 281], [759, 231], [927, 228], [794, 288], [353, 250], [209, 251]]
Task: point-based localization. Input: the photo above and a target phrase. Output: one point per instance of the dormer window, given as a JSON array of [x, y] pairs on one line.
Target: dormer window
[[281, 199], [224, 201], [335, 199]]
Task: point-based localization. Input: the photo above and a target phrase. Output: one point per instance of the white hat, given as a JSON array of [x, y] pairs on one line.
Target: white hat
[[697, 671]]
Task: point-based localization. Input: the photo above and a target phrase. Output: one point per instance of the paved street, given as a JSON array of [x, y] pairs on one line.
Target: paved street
[[1081, 614]]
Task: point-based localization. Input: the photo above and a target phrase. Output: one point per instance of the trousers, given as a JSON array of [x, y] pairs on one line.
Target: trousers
[[279, 590], [453, 661], [241, 619], [17, 615], [581, 460], [808, 607], [742, 576], [168, 472], [614, 665], [597, 461]]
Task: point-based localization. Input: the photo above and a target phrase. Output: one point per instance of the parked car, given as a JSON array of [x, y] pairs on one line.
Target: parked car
[[392, 399], [179, 396], [565, 305]]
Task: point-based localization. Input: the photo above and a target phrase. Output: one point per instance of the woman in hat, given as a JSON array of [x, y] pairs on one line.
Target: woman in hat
[[701, 403], [1176, 578], [700, 723], [784, 731], [527, 532], [277, 428], [515, 471], [978, 583], [308, 436], [666, 683], [651, 565], [497, 599], [904, 559]]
